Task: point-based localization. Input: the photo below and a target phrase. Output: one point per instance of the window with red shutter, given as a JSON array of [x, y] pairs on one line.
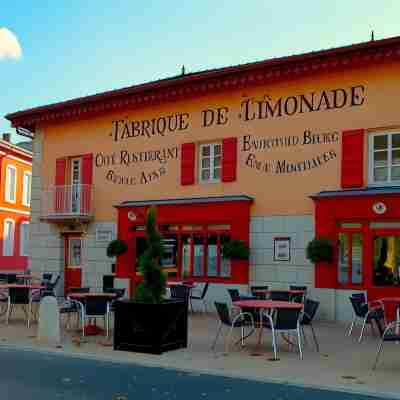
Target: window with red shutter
[[188, 157], [352, 158], [229, 159], [86, 179]]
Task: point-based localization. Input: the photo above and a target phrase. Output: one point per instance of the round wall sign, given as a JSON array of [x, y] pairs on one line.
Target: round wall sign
[[379, 208], [131, 216]]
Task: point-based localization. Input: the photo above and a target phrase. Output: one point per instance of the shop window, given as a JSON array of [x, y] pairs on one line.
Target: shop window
[[198, 255], [384, 158], [212, 255], [186, 251], [350, 258], [170, 251], [225, 262], [210, 162], [386, 260]]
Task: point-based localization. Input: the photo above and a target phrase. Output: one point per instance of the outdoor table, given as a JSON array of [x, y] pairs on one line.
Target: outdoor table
[[268, 291], [391, 314], [22, 286], [262, 305], [91, 329]]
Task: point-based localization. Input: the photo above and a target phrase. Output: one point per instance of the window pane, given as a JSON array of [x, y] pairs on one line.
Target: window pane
[[396, 173], [395, 156], [380, 174], [380, 159], [225, 262], [170, 251], [205, 163], [396, 140], [217, 149], [205, 150], [217, 173], [198, 255], [386, 260], [380, 142], [205, 174], [186, 254], [343, 261], [212, 255], [217, 161], [356, 247], [8, 240]]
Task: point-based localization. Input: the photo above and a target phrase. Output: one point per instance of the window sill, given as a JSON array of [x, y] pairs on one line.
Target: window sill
[[208, 182]]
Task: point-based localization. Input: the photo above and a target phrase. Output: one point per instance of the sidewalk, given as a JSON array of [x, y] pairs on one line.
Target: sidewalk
[[342, 363]]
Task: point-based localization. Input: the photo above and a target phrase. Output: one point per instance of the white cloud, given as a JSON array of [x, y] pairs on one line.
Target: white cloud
[[9, 45]]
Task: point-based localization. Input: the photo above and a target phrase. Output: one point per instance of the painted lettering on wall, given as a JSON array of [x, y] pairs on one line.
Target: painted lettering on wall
[[253, 145], [250, 109]]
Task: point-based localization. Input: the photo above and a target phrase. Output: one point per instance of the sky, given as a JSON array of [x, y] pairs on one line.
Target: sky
[[57, 50]]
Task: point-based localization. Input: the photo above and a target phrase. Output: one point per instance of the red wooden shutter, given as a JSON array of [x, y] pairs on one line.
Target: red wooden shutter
[[60, 192], [229, 159], [352, 158], [87, 180], [188, 157]]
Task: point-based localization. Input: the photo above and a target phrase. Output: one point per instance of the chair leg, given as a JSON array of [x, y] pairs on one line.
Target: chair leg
[[216, 336], [299, 343], [314, 337], [29, 314], [362, 330], [303, 332], [8, 313], [378, 354], [351, 327], [274, 345], [242, 335]]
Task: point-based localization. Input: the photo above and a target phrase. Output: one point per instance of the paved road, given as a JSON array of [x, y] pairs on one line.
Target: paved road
[[33, 375]]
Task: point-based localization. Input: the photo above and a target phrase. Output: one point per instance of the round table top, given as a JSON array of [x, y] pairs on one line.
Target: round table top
[[190, 285], [21, 286], [269, 291], [267, 304], [91, 294], [25, 276]]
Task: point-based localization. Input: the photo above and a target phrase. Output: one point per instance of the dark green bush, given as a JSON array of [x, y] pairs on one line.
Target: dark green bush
[[235, 250], [320, 250], [116, 248]]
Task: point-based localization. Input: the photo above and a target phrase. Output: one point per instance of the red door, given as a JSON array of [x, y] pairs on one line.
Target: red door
[[73, 262]]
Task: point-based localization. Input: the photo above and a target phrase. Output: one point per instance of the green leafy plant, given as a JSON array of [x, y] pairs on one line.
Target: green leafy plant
[[235, 250], [319, 250], [152, 289], [116, 248]]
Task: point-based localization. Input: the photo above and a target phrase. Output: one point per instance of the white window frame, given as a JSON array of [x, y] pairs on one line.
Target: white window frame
[[212, 160], [23, 245], [8, 249], [27, 189], [371, 152], [8, 196]]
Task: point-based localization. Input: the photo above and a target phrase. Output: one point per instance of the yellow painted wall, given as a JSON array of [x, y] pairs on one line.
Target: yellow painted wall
[[275, 194]]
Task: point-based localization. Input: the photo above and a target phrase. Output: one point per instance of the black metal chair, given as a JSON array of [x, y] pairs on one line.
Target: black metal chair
[[3, 278], [180, 292], [279, 295], [12, 278], [241, 320], [201, 297], [309, 311], [258, 296], [285, 320], [51, 287], [298, 298], [119, 293], [19, 297], [46, 276], [93, 308], [363, 311]]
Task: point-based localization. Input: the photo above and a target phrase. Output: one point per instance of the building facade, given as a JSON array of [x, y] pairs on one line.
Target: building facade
[[273, 153], [15, 199]]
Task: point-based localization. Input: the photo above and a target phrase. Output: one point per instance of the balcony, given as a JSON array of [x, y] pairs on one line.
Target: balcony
[[71, 203]]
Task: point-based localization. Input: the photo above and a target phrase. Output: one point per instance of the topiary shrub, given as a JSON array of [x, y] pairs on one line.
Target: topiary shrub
[[116, 248], [320, 250], [153, 287], [235, 250]]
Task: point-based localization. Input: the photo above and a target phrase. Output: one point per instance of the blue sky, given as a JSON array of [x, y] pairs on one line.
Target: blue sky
[[72, 48]]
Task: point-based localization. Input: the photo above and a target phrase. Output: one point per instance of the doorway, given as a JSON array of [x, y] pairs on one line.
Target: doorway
[[73, 262]]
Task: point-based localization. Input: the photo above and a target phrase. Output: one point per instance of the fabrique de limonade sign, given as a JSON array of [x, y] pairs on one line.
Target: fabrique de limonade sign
[[125, 132]]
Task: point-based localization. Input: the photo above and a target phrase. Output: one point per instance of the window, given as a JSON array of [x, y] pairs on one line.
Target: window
[[8, 237], [26, 192], [75, 252], [210, 162], [384, 154], [24, 239], [350, 258], [11, 183], [386, 260]]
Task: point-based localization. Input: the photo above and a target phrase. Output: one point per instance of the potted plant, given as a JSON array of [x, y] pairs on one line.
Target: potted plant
[[235, 250], [116, 247], [320, 250], [150, 323]]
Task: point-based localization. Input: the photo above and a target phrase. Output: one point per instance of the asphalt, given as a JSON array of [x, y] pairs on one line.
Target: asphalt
[[36, 375]]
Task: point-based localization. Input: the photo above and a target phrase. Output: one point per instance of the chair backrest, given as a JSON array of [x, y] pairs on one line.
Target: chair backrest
[[309, 311], [286, 318], [234, 294], [180, 292], [259, 296], [54, 284], [119, 292], [295, 287], [46, 276], [3, 278], [19, 295], [359, 306], [79, 290], [223, 313], [96, 305], [205, 289], [279, 295], [11, 278], [360, 296]]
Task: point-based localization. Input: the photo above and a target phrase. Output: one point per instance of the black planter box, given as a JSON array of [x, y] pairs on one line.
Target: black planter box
[[150, 328]]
